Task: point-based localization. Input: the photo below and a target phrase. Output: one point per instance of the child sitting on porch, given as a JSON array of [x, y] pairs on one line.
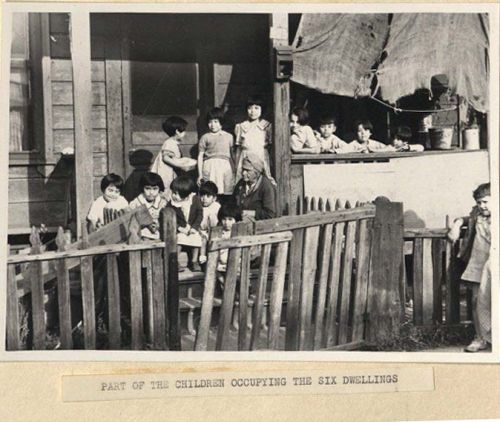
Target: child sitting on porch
[[401, 141], [329, 142], [151, 185], [169, 158], [189, 212], [229, 214], [363, 143], [475, 252], [111, 186], [253, 135], [208, 196], [214, 156], [302, 139]]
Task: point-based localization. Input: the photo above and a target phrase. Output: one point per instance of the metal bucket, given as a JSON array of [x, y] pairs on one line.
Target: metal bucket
[[441, 137]]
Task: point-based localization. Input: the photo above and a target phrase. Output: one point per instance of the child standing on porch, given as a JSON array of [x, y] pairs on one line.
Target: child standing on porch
[[168, 159], [151, 185], [253, 135], [302, 139], [214, 156], [111, 198], [208, 196], [189, 213], [475, 252]]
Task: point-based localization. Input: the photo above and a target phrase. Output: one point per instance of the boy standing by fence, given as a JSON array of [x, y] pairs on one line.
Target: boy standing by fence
[[475, 252]]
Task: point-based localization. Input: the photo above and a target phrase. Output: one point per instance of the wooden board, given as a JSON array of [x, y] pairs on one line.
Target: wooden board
[[437, 279], [427, 285], [418, 282], [136, 300], [64, 138], [61, 70], [37, 190], [260, 296], [158, 301], [276, 300], [114, 303], [24, 215], [63, 117], [62, 93], [13, 328]]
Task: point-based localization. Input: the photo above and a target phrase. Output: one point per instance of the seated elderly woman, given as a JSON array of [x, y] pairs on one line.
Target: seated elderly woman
[[255, 194]]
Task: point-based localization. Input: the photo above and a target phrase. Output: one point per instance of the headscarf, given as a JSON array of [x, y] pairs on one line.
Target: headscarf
[[255, 161]]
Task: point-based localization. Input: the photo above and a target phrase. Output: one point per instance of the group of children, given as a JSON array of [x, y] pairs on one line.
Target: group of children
[[304, 140]]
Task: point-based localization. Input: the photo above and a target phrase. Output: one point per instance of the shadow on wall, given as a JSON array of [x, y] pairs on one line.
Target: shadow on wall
[[412, 220], [140, 160]]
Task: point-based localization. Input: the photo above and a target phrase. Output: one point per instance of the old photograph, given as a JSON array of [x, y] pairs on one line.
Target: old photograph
[[275, 181]]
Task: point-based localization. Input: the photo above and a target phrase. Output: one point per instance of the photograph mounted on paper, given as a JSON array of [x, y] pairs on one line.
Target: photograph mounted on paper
[[248, 181]]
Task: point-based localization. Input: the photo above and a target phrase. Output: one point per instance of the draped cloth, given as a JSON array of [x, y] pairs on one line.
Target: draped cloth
[[341, 54]]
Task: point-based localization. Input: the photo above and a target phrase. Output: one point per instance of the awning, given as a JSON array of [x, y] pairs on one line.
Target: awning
[[340, 54]]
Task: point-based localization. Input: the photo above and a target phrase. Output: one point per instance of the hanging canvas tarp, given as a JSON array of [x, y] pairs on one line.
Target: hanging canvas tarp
[[335, 53], [423, 45]]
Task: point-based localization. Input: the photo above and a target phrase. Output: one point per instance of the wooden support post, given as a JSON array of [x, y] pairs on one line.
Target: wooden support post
[[82, 93], [384, 309], [281, 107]]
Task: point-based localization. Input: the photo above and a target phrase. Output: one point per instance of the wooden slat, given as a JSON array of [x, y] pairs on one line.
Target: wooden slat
[[260, 298], [227, 307], [276, 300], [114, 305], [243, 300], [62, 70], [63, 294], [203, 332], [309, 265], [331, 333], [80, 58], [159, 337], [37, 294], [425, 232], [427, 281], [246, 241], [294, 286], [325, 251], [346, 282], [13, 328], [362, 280], [418, 275], [136, 300], [437, 279], [171, 274], [88, 296], [62, 93], [148, 271], [313, 219], [452, 285]]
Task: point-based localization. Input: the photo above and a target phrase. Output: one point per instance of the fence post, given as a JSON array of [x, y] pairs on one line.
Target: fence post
[[170, 265], [384, 309]]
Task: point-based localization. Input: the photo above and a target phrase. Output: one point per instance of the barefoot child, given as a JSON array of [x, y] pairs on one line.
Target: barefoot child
[[208, 197], [151, 185], [214, 156], [253, 135], [302, 139], [329, 142], [189, 212], [475, 252], [111, 186]]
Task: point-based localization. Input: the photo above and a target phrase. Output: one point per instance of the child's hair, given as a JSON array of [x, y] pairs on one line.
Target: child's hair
[[229, 209], [173, 124], [183, 185], [151, 179], [209, 189], [216, 113], [403, 133], [327, 119], [111, 179], [302, 115], [366, 124], [481, 191], [255, 100]]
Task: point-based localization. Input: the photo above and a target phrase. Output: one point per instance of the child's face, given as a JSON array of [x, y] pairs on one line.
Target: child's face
[[214, 125], [254, 111], [227, 223], [294, 123], [180, 135], [398, 143], [207, 200], [363, 134], [151, 192], [176, 196], [327, 130], [484, 205], [111, 193]]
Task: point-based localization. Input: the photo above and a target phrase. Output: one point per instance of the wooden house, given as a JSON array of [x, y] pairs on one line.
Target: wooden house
[[89, 92]]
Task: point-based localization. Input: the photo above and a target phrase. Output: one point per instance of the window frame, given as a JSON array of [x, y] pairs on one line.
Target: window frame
[[41, 101]]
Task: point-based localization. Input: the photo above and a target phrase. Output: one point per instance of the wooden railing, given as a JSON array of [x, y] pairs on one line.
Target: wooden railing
[[124, 267]]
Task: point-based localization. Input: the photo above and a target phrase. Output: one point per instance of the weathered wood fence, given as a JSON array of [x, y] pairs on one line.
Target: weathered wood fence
[[139, 276]]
